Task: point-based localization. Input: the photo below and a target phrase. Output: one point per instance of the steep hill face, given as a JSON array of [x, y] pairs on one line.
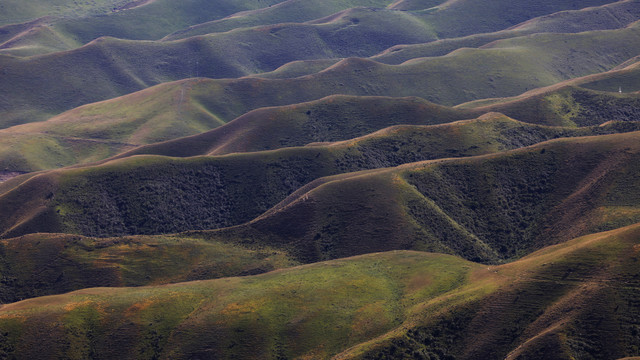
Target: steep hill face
[[398, 305], [98, 131], [108, 67], [482, 208], [307, 179]]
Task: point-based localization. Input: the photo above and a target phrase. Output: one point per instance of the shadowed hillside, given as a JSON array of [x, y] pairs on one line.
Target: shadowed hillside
[[340, 117], [329, 119], [398, 304], [483, 208], [109, 67], [447, 206], [101, 130], [610, 16], [45, 264]]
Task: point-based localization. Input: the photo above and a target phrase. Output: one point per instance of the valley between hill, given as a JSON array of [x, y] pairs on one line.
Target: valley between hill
[[306, 179]]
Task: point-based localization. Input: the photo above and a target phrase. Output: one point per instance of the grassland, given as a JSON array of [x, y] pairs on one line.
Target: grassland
[[165, 112], [108, 67], [346, 179], [71, 25], [45, 264], [291, 11], [13, 11], [397, 304], [338, 118], [616, 15], [486, 209]]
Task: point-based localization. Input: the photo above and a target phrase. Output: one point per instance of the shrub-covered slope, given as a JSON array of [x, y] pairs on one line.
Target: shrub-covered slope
[[98, 131], [483, 208], [45, 264], [569, 300], [109, 67], [341, 117]]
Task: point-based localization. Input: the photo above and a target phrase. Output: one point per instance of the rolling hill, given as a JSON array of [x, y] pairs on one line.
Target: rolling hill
[[102, 130], [485, 208], [46, 264], [397, 304], [308, 179], [109, 67]]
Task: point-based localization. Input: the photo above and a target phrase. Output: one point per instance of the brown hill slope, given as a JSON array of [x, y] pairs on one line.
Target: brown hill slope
[[341, 117], [568, 300], [483, 208], [108, 68]]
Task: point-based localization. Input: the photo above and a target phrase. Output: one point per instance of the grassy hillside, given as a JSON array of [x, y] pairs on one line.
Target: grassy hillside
[[465, 17], [616, 15], [109, 67], [333, 118], [556, 304], [610, 82], [14, 11], [308, 311], [569, 105], [151, 195], [156, 114], [486, 208], [97, 131], [398, 304], [344, 179], [45, 264], [291, 11], [341, 117], [81, 23], [32, 152], [126, 18]]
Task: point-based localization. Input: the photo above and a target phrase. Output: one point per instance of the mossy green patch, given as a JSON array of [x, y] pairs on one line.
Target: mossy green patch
[[398, 304], [43, 264]]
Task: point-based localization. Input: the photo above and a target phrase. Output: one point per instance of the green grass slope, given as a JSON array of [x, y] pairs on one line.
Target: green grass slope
[[465, 17], [571, 301], [45, 264], [109, 67], [69, 26], [341, 117], [34, 38], [387, 305], [610, 16], [609, 82], [165, 112], [157, 18], [125, 18], [25, 152], [333, 118], [297, 69], [486, 208], [445, 19], [15, 11], [290, 11], [151, 194], [616, 15], [151, 115], [567, 105]]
